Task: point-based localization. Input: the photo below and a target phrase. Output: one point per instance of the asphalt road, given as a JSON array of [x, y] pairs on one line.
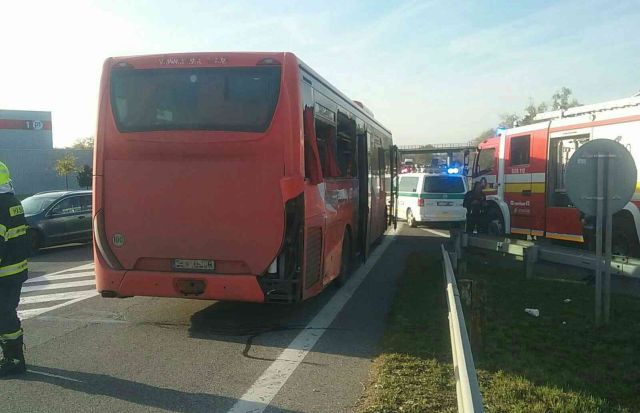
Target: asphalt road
[[86, 353]]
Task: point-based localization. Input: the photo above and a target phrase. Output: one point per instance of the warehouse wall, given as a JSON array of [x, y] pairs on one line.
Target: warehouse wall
[[24, 129]]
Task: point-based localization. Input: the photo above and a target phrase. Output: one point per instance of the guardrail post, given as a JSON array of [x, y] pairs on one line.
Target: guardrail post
[[454, 260], [478, 301], [462, 259], [530, 259]]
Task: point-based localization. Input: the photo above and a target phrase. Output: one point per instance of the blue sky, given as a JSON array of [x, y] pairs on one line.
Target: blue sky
[[431, 71]]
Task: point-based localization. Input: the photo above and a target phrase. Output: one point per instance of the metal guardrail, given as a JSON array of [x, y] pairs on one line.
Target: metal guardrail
[[467, 389], [534, 252]]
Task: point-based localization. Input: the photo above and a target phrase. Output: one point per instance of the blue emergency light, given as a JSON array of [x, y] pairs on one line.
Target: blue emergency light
[[453, 170]]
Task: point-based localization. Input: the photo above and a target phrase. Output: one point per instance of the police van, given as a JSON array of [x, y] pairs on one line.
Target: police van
[[431, 197]]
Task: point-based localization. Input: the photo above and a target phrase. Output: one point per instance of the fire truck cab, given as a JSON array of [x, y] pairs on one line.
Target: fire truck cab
[[522, 171]]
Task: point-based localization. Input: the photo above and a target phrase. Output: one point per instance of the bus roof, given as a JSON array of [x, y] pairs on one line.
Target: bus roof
[[212, 59]]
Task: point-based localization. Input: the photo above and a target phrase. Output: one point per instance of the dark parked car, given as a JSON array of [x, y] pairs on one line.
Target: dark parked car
[[58, 217]]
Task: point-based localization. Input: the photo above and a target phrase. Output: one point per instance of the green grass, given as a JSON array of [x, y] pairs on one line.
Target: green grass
[[414, 373], [558, 362]]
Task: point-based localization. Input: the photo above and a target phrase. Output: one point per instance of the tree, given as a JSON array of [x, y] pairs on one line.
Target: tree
[[531, 111], [509, 120], [489, 133], [563, 99], [85, 177], [65, 166], [83, 143]]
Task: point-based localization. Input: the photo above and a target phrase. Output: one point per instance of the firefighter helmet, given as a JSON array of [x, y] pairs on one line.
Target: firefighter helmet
[[5, 176]]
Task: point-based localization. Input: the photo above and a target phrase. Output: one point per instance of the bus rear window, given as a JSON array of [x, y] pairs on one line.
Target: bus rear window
[[221, 99], [443, 184]]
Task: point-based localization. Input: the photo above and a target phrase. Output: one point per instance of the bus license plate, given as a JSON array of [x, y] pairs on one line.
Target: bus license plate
[[443, 203], [193, 265]]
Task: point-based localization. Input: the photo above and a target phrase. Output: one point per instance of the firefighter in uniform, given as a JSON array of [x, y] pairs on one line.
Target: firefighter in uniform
[[14, 249], [475, 201]]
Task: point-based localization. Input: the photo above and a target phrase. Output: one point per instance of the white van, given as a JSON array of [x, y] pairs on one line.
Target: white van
[[427, 197]]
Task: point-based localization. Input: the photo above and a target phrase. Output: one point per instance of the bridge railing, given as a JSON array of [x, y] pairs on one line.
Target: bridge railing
[[439, 146]]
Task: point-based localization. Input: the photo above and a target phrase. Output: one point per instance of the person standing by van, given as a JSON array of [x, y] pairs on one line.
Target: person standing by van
[[475, 201]]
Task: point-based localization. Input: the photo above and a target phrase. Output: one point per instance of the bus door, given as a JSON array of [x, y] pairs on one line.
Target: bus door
[[335, 192], [393, 190], [562, 218], [378, 197], [373, 187], [364, 200]]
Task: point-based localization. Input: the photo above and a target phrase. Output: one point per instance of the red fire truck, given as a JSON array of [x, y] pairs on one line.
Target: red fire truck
[[522, 170]]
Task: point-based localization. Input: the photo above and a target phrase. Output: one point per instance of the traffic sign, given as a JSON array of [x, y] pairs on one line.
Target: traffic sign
[[582, 174], [600, 180]]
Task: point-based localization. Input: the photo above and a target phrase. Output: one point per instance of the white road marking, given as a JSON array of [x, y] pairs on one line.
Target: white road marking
[[54, 375], [59, 286], [82, 267], [52, 282], [436, 232], [27, 314], [262, 392], [45, 298], [51, 277]]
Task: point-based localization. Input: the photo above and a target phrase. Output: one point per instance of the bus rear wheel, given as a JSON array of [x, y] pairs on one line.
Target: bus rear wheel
[[345, 261]]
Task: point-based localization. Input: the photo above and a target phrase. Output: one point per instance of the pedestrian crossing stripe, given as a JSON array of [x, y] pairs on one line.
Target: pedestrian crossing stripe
[[36, 299], [71, 284], [50, 289], [57, 277], [31, 313]]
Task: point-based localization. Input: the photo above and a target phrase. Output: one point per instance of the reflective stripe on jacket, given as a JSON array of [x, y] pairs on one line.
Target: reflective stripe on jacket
[[14, 244]]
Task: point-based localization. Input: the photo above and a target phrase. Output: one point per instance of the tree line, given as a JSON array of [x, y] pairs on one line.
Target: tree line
[[562, 99]]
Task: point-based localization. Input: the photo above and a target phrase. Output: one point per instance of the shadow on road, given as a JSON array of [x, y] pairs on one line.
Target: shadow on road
[[131, 391], [357, 330]]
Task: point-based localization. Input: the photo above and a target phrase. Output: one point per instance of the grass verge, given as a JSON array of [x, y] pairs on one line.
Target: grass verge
[[557, 362]]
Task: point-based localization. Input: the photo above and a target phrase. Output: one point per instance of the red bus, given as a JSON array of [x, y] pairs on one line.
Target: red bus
[[233, 176]]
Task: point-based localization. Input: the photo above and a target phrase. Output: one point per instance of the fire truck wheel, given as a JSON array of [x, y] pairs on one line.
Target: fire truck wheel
[[624, 240], [495, 222], [411, 220], [345, 262]]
